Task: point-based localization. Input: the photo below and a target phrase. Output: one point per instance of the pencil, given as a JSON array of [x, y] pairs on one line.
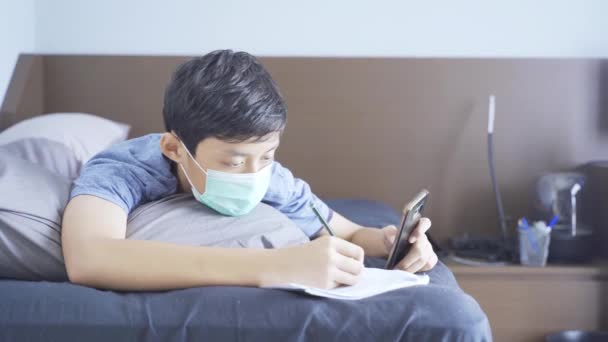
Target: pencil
[[314, 209]]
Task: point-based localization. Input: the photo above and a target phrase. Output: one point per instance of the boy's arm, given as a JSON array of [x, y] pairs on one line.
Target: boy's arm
[[97, 254], [377, 242]]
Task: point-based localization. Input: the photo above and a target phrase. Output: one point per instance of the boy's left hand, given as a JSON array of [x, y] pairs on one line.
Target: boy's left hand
[[421, 256]]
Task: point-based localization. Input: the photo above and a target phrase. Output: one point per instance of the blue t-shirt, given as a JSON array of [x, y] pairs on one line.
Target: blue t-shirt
[[135, 172]]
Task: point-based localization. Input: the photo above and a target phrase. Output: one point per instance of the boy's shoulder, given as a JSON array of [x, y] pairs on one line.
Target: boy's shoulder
[[128, 173], [142, 151], [145, 145]]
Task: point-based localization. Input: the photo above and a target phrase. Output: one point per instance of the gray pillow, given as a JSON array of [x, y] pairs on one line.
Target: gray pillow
[[31, 206], [52, 155], [182, 220], [32, 203]]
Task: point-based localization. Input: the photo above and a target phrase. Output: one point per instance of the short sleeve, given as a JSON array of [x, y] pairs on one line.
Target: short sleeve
[[292, 196], [128, 174]]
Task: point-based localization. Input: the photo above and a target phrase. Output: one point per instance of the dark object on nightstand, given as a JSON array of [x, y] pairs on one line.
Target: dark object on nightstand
[[596, 201], [484, 248], [556, 196], [578, 336], [566, 248]]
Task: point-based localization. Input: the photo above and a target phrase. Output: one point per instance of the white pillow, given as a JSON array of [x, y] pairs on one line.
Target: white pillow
[[84, 134]]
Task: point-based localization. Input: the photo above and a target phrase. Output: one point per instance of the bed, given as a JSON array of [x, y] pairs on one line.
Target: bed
[[60, 311]]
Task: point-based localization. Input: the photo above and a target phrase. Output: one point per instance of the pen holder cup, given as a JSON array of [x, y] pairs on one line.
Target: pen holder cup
[[533, 248]]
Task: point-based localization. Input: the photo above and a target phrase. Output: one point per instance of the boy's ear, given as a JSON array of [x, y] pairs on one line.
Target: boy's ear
[[171, 147]]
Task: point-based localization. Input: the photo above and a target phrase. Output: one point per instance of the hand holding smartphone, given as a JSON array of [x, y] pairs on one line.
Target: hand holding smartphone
[[412, 212]]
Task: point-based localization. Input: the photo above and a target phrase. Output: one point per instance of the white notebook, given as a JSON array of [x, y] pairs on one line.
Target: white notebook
[[373, 281]]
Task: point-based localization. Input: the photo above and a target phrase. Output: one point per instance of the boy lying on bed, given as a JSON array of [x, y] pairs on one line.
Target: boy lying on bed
[[224, 117]]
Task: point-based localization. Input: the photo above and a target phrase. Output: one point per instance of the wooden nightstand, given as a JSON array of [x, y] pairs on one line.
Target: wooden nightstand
[[526, 303]]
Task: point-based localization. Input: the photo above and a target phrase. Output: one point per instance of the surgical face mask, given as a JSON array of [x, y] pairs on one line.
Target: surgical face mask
[[231, 194]]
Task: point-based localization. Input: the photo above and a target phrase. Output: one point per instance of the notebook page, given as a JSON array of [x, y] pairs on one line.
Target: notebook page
[[373, 281]]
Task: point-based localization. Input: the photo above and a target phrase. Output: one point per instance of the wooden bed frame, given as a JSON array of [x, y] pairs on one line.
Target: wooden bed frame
[[377, 128]]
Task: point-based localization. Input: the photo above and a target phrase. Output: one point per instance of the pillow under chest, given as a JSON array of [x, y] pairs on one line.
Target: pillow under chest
[[181, 219]]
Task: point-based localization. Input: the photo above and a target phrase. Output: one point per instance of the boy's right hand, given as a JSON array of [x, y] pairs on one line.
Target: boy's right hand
[[325, 262]]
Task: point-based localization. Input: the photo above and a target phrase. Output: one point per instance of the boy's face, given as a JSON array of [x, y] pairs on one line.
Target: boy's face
[[244, 157]]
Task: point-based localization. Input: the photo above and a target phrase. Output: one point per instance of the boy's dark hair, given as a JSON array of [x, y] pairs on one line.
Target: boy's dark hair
[[223, 94]]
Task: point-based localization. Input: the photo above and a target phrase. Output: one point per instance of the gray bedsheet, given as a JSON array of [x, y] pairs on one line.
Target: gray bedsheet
[[48, 311]]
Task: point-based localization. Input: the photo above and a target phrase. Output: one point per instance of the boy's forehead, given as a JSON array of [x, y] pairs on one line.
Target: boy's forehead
[[252, 145], [271, 138]]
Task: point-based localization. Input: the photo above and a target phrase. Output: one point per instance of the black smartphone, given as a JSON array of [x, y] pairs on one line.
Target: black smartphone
[[412, 212]]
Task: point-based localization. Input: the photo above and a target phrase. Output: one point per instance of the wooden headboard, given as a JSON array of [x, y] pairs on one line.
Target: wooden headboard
[[377, 128]]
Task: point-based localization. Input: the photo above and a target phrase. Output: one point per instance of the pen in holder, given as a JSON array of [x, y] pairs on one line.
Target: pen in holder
[[533, 242]]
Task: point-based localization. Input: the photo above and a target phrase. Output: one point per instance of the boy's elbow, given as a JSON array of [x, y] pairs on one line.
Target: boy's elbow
[[79, 266], [77, 272]]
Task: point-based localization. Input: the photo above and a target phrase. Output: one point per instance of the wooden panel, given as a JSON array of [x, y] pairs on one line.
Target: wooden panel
[[382, 128], [526, 304], [385, 128], [25, 96], [126, 89]]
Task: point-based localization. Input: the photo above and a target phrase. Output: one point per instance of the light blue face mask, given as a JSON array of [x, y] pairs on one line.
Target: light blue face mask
[[232, 194]]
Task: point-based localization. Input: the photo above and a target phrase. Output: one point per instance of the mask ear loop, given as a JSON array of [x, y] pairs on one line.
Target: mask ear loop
[[189, 154], [195, 162]]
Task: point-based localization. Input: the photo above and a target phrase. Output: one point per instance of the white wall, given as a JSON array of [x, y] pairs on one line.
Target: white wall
[[17, 35], [327, 28], [503, 28]]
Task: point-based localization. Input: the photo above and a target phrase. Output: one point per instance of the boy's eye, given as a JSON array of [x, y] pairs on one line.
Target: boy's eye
[[234, 164]]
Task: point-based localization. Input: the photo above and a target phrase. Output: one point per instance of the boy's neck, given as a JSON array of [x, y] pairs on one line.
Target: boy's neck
[[182, 181]]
